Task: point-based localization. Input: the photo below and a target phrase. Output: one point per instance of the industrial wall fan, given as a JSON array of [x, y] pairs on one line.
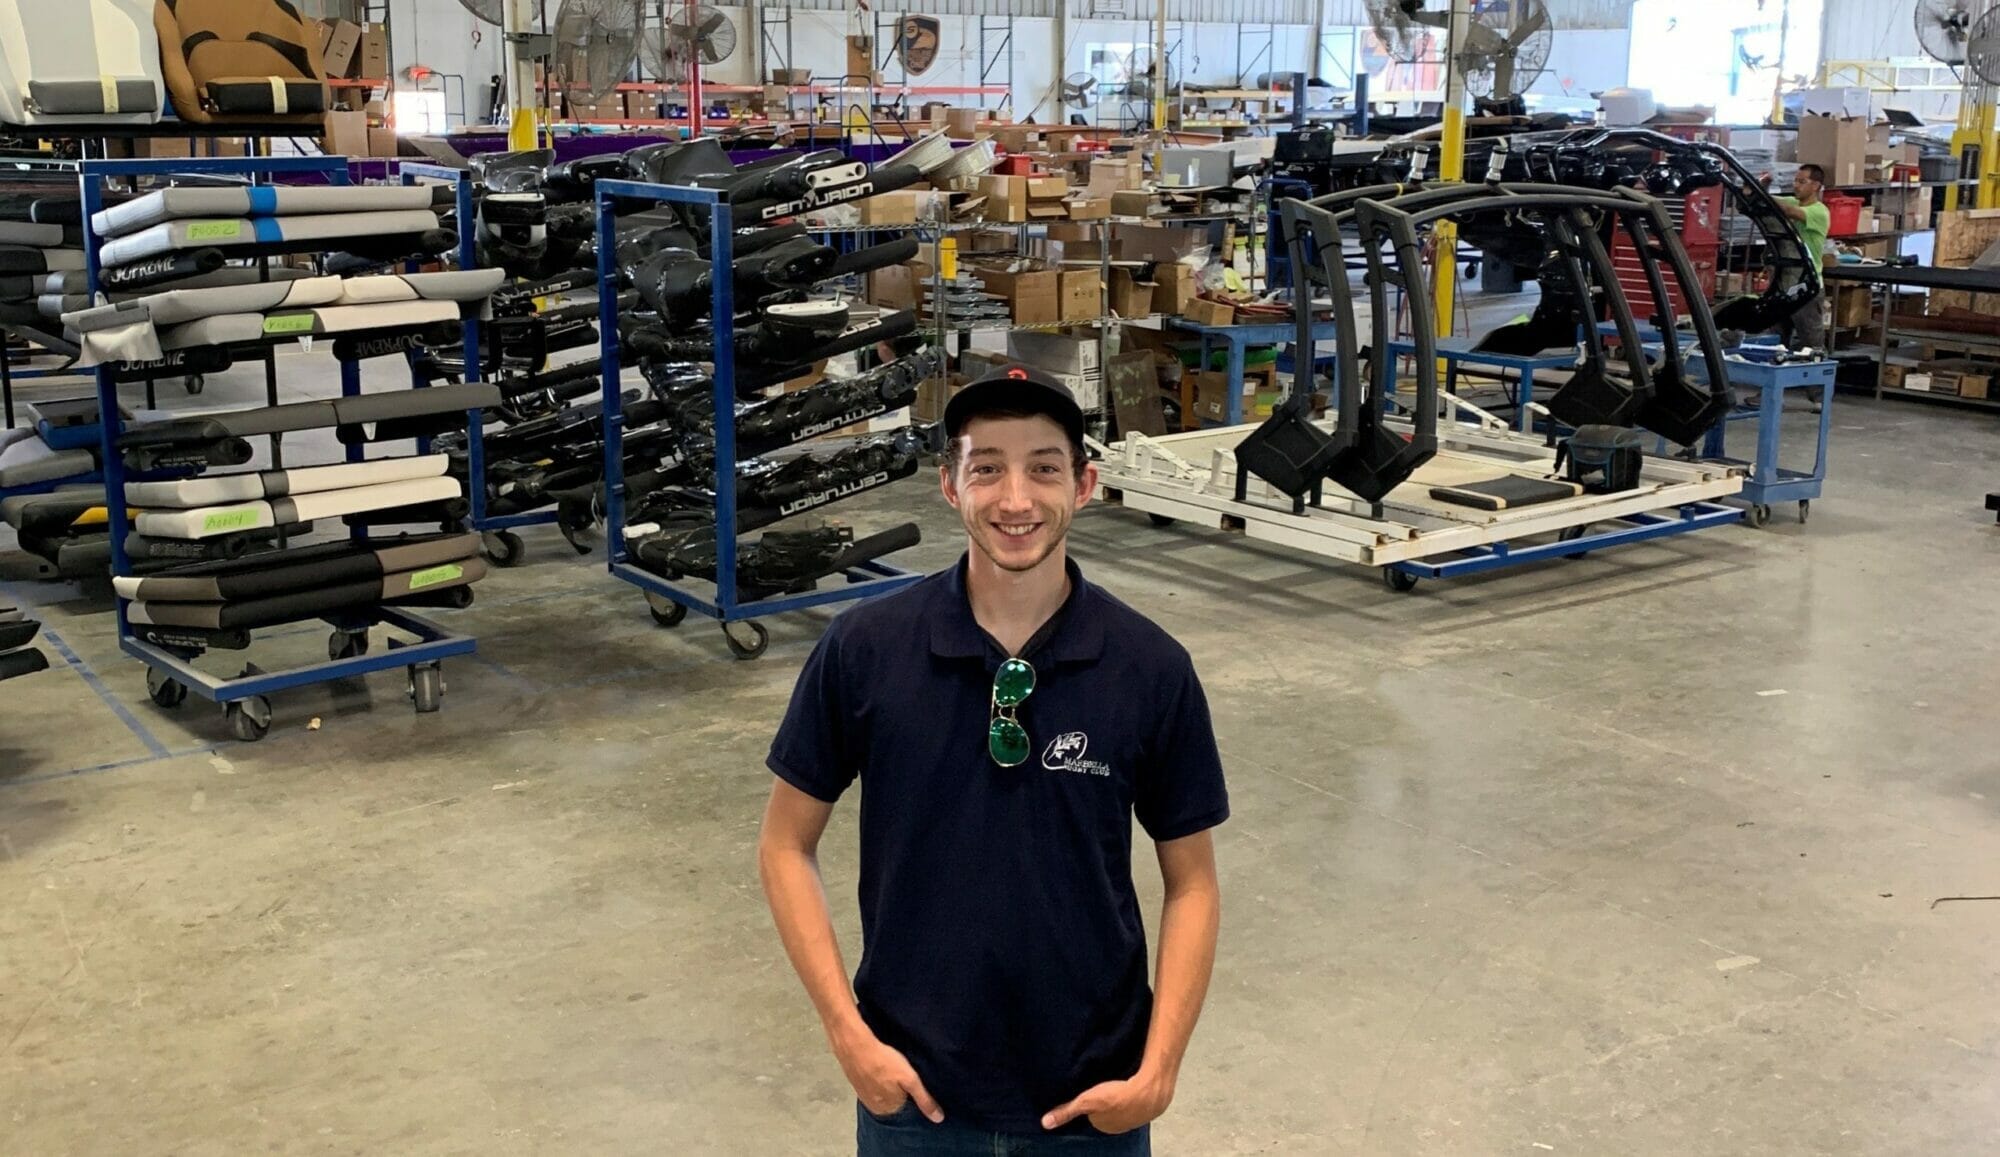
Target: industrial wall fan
[[596, 45], [1982, 47], [1506, 47], [1944, 29], [1079, 90], [1507, 42], [701, 34], [487, 10]]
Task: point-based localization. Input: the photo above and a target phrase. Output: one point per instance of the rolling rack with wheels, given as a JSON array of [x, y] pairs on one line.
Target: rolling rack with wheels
[[670, 601], [503, 545], [170, 670]]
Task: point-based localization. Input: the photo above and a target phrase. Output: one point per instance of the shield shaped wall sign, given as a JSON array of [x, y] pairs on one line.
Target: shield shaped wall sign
[[919, 43]]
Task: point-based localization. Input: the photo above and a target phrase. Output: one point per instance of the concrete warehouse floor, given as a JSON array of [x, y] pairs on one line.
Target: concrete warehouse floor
[[1629, 855]]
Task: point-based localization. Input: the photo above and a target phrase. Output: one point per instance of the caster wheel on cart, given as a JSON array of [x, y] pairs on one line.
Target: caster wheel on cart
[[195, 383], [666, 612], [1571, 534], [505, 548], [759, 639], [346, 644], [1162, 520], [1758, 514], [1805, 508], [1398, 581], [249, 719], [165, 690], [427, 687]]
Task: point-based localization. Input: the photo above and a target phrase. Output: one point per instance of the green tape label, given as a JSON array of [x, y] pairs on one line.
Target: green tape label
[[432, 576], [242, 518], [215, 230], [289, 323]]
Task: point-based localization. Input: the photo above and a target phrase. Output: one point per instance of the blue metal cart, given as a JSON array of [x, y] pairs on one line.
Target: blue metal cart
[[170, 672], [503, 546], [671, 601], [1768, 481]]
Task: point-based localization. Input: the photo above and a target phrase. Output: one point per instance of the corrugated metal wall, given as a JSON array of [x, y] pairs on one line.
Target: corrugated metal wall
[[1869, 29]]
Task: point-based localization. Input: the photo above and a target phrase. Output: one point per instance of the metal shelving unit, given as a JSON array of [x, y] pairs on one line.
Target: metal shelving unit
[[171, 673], [724, 606]]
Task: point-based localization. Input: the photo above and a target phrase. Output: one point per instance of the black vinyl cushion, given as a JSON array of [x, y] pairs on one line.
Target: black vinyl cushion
[[1506, 492], [14, 664]]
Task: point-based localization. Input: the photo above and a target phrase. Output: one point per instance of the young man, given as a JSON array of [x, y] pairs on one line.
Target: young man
[[1007, 721], [1810, 219]]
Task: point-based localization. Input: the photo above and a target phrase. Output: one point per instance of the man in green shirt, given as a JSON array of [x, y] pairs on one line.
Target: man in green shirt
[[1806, 329]]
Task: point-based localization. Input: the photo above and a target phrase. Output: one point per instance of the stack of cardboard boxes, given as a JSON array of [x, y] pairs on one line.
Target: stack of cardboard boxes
[[357, 126]]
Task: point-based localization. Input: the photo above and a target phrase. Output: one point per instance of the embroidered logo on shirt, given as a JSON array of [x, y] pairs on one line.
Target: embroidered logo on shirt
[[1065, 753]]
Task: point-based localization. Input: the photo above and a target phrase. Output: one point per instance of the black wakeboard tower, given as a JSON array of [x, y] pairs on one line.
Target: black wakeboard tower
[[1597, 158], [1564, 227]]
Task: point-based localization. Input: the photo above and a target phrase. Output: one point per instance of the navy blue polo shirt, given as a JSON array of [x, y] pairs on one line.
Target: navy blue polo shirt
[[1002, 947]]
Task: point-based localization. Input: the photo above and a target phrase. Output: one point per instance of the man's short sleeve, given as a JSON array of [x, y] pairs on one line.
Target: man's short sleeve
[[1180, 790], [816, 747]]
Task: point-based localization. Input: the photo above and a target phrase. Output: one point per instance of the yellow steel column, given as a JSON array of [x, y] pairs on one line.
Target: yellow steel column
[[1451, 168]]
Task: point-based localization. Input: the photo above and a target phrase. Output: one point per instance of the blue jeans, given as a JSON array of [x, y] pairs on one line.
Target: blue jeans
[[907, 1133]]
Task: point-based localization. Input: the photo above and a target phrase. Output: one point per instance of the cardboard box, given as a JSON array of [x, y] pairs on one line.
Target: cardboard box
[[160, 147], [1082, 295], [1176, 287], [1108, 175], [1149, 242], [346, 134], [1211, 395], [1202, 311], [1090, 209], [1133, 203], [1942, 381], [1853, 305], [1034, 295], [1892, 376], [860, 59], [1060, 353], [965, 123], [1061, 231], [382, 142], [932, 394], [1838, 145], [343, 44], [1006, 197], [373, 61], [1130, 297], [987, 241], [1915, 380], [1047, 188], [892, 287], [898, 208]]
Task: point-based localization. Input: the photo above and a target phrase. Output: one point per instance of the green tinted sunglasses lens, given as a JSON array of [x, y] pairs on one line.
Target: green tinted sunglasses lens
[[1007, 743], [1012, 683]]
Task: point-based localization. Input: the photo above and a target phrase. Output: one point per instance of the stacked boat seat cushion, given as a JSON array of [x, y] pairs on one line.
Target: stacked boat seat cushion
[[56, 446], [307, 582], [225, 504], [240, 60], [79, 62], [157, 324], [358, 419], [16, 656]]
